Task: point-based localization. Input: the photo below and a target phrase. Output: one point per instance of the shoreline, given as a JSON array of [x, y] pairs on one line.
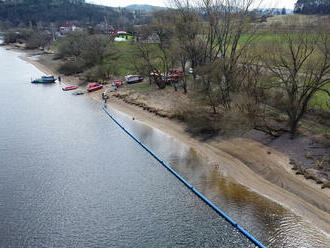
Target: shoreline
[[234, 166]]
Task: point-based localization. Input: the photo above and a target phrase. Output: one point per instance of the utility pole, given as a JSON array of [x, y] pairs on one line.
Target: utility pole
[[106, 25], [53, 31]]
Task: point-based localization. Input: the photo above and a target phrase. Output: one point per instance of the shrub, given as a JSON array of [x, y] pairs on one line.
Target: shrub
[[37, 40], [95, 73], [70, 68], [199, 122], [10, 37]]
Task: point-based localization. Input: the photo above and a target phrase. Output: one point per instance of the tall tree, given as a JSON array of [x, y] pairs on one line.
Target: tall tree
[[155, 59], [300, 62], [228, 21]]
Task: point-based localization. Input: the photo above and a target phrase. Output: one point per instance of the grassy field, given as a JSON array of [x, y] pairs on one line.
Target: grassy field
[[297, 19], [258, 37], [321, 100], [122, 62], [122, 58]]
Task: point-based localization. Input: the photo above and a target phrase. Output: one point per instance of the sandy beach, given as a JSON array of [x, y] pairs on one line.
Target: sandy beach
[[260, 168]]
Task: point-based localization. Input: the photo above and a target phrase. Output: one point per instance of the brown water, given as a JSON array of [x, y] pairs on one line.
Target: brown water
[[268, 221], [69, 177]]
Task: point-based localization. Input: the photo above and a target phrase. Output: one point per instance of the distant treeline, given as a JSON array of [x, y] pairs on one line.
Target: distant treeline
[[312, 7], [32, 12]]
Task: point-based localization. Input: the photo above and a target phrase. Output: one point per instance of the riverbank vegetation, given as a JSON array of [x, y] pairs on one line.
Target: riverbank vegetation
[[246, 75], [239, 73]]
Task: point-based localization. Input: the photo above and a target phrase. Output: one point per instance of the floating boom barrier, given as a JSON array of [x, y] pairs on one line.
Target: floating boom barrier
[[195, 191]]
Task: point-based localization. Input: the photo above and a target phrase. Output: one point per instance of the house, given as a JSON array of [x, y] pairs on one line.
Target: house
[[67, 28], [121, 35]]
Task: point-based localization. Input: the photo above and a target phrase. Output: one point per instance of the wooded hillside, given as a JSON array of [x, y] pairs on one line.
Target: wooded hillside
[[312, 7], [25, 12]]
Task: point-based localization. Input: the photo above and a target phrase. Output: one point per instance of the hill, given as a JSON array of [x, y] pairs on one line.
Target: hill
[[308, 7], [27, 12]]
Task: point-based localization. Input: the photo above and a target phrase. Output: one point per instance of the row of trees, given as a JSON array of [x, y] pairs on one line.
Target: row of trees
[[32, 38], [218, 39], [234, 70], [83, 52]]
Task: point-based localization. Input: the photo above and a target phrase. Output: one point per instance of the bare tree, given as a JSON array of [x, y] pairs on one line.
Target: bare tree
[[228, 21], [210, 33], [155, 56], [189, 31], [215, 36], [300, 62]]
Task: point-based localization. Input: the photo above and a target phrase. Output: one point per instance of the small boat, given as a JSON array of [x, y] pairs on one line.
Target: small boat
[[71, 87], [44, 80], [78, 93], [94, 87]]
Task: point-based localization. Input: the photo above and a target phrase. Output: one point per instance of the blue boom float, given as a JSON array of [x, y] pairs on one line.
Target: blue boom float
[[200, 195]]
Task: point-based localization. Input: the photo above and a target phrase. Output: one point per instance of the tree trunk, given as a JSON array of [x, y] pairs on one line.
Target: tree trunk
[[161, 84], [185, 86], [293, 127]]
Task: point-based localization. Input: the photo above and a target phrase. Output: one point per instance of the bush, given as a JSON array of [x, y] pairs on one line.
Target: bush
[[10, 37], [71, 45], [244, 114], [70, 68], [95, 73], [37, 40], [199, 122]]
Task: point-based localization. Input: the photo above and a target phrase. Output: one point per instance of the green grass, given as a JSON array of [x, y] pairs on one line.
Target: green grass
[[129, 37], [258, 38], [123, 63], [321, 99], [121, 59], [141, 87]]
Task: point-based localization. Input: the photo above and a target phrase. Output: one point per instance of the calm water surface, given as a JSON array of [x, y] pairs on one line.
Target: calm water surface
[[69, 177]]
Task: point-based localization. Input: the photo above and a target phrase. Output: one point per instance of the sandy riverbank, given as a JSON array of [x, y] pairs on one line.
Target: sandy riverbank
[[254, 165]]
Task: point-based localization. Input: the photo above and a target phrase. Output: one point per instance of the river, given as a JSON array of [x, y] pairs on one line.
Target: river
[[69, 177]]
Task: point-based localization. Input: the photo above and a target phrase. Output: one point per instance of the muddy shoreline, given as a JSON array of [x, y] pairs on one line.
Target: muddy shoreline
[[261, 168]]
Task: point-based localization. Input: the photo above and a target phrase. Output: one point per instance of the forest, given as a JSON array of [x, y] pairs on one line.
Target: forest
[[30, 12], [312, 7]]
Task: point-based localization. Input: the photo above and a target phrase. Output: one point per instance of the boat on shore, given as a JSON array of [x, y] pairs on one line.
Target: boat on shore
[[44, 80], [94, 87], [71, 87]]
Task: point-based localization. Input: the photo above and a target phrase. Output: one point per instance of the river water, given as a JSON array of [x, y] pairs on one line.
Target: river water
[[69, 177]]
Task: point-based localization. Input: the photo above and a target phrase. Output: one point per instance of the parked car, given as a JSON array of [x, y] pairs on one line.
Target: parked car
[[117, 83], [132, 79], [94, 87]]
